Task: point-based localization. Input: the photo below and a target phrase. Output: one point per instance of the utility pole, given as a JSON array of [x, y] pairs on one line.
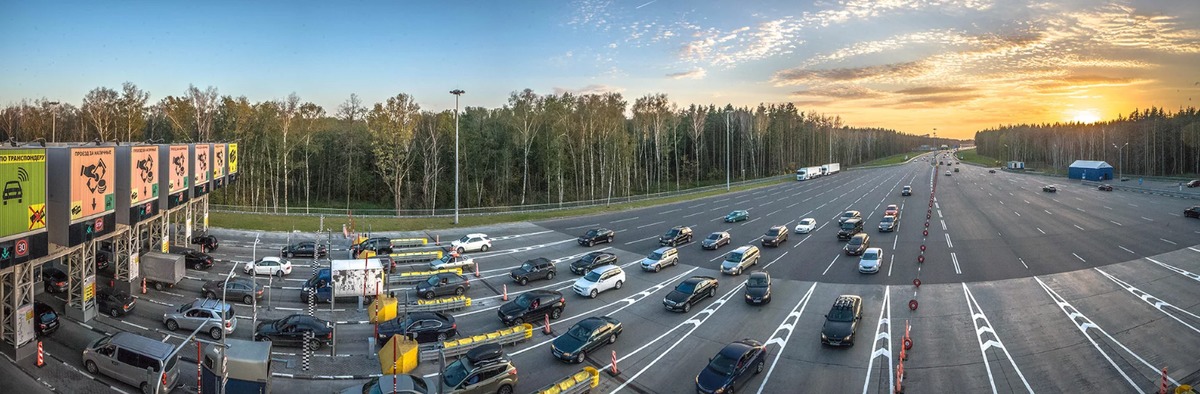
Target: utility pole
[[54, 121], [456, 93], [727, 133], [1121, 159]]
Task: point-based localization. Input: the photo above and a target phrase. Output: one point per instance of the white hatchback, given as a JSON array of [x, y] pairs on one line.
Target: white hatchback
[[269, 265], [599, 280], [471, 243], [870, 261], [806, 225]]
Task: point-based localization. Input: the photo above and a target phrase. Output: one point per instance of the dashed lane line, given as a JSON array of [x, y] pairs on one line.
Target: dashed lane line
[[1077, 256], [785, 329], [984, 326], [1127, 250], [652, 224]]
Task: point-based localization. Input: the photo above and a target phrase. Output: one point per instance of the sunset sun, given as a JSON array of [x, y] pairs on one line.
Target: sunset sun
[[1086, 116]]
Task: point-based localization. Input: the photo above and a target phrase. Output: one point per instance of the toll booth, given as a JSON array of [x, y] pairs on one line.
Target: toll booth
[[248, 368]]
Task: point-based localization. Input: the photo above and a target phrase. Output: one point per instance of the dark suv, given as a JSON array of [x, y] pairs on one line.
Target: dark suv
[[592, 260], [379, 245], [532, 306], [291, 331], [304, 249], [775, 236], [842, 321], [849, 215], [678, 235], [538, 268], [1193, 212], [848, 228], [443, 283], [595, 236]]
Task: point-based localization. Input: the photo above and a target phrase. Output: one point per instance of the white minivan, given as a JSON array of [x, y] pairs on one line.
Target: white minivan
[[599, 280]]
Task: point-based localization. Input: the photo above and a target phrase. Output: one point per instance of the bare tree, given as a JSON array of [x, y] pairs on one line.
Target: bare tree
[[391, 125], [527, 109], [204, 105], [100, 105], [287, 112], [352, 109], [132, 109]]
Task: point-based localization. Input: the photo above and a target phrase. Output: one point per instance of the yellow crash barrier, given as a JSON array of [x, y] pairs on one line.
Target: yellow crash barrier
[[428, 255], [446, 300], [429, 273], [578, 382], [410, 241], [382, 309], [524, 331], [399, 355]]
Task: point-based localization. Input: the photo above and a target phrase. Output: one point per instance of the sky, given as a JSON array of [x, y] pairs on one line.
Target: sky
[[950, 67]]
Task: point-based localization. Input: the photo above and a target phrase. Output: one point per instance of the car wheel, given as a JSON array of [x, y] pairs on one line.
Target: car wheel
[[158, 286], [215, 333], [610, 239], [619, 283], [612, 339], [524, 281], [554, 314], [590, 243], [657, 268], [712, 293], [429, 295], [518, 321], [172, 325], [279, 273], [47, 287], [91, 367], [505, 389], [686, 307], [550, 275], [146, 389], [593, 293], [441, 337], [581, 357], [458, 291], [314, 345], [758, 368], [461, 250], [210, 295], [248, 300], [483, 248], [291, 254], [114, 313]]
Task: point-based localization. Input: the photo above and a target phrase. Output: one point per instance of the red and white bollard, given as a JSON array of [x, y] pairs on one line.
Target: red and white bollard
[[546, 327], [200, 359], [1162, 389], [614, 371], [476, 264], [143, 285], [505, 297], [41, 362]]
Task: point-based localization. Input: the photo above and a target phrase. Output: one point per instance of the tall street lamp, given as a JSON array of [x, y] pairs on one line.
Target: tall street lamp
[[456, 93], [1121, 159], [727, 111]]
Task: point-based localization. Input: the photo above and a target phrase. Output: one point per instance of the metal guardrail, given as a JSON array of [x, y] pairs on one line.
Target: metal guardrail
[[1146, 190], [579, 382], [421, 256], [408, 278], [409, 242], [435, 305], [462, 345]]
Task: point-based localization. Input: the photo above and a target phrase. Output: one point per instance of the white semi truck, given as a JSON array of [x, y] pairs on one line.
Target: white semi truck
[[831, 168], [805, 173]]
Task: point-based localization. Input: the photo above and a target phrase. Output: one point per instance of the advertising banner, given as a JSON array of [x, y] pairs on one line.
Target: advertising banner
[[218, 161], [89, 288], [232, 159], [23, 176], [203, 164], [25, 321], [92, 188], [179, 179], [134, 263], [144, 174]]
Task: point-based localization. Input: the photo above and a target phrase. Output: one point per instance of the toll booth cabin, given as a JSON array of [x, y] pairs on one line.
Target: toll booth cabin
[[249, 368], [1090, 170]]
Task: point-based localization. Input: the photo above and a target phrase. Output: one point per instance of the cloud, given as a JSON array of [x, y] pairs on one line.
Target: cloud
[[589, 89], [927, 90], [1076, 83], [698, 73], [938, 99], [895, 72], [840, 91]]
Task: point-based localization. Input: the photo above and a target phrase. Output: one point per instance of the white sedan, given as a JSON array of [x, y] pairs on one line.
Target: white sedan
[[452, 260], [806, 225], [471, 243], [269, 265]]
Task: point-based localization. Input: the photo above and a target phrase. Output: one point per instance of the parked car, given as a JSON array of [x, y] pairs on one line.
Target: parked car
[[208, 242], [424, 327], [269, 265], [740, 259], [849, 215], [292, 329], [732, 367], [1193, 212], [595, 236], [532, 306], [737, 216], [659, 258], [54, 280], [599, 280], [1105, 187], [775, 235], [676, 236], [1050, 189], [689, 292], [716, 240], [842, 321], [45, 319], [452, 260], [849, 229], [472, 242], [587, 335], [379, 245], [592, 260], [196, 259], [891, 210], [991, 171], [806, 225], [443, 283], [485, 369], [870, 261], [211, 316], [238, 289], [887, 224], [537, 268], [304, 249], [758, 288], [906, 191], [102, 261], [1194, 183], [858, 244], [116, 303]]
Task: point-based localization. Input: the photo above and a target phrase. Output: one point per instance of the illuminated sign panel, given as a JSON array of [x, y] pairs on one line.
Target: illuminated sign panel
[[23, 177], [92, 188]]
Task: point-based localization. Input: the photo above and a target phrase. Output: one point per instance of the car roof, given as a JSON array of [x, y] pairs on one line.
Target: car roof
[[271, 258], [605, 268], [142, 344], [697, 279], [664, 249], [592, 322], [875, 250], [860, 235], [760, 274], [780, 227], [742, 249], [480, 235], [808, 220], [735, 350]]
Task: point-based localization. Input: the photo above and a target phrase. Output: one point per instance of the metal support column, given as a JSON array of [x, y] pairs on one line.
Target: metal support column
[[16, 292], [81, 273]]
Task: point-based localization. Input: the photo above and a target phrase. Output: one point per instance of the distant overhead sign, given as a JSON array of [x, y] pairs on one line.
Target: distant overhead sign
[[144, 174], [179, 179]]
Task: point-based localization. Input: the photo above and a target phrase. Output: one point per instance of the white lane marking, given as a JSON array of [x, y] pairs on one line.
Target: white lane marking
[[694, 214], [1077, 256], [623, 220], [697, 205], [1022, 262], [937, 205], [1135, 206], [977, 317], [640, 240], [1177, 270], [1001, 202], [1085, 324], [1077, 226], [789, 327], [939, 214], [1080, 209], [1018, 213], [1106, 207], [1039, 229], [831, 264], [1168, 241], [943, 225], [1149, 219], [1047, 212], [793, 204], [1114, 222], [670, 211], [891, 262], [764, 267], [948, 243], [1127, 250], [584, 226], [954, 258], [1174, 214], [883, 349], [1193, 249], [1156, 302], [651, 224], [1026, 201]]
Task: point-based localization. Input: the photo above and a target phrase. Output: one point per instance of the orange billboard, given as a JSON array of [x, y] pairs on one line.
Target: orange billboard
[[92, 188], [231, 158], [202, 165], [143, 180], [179, 169], [218, 161]]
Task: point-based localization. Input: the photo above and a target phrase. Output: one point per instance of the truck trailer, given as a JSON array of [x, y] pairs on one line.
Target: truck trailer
[[161, 270], [831, 168], [348, 279], [806, 173]]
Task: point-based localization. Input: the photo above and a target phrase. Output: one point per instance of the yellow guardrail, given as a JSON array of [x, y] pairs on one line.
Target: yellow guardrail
[[578, 382], [464, 299], [410, 241], [457, 270], [521, 332], [434, 254]]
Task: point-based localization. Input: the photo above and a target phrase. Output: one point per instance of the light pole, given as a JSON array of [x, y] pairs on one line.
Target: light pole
[[727, 111], [53, 121], [224, 321], [1121, 159], [456, 93]]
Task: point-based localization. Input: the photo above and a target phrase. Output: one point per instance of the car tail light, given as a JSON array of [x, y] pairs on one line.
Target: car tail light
[[329, 335], [61, 283], [228, 323], [454, 326], [513, 371], [42, 326]]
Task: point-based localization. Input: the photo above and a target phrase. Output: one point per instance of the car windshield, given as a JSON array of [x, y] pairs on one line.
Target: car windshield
[[673, 232], [714, 237], [807, 222], [523, 302], [847, 215], [757, 282], [432, 281], [455, 373], [49, 316], [592, 233], [773, 232], [840, 314], [580, 332], [870, 256], [686, 287], [527, 267], [886, 219], [722, 365], [856, 241], [464, 239], [592, 276], [847, 226], [734, 257]]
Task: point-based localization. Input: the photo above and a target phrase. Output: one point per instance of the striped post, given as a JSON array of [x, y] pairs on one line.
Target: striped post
[[41, 362], [199, 362], [308, 340]]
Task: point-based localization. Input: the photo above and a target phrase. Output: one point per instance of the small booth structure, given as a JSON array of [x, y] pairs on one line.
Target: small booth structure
[[249, 368], [1090, 170]]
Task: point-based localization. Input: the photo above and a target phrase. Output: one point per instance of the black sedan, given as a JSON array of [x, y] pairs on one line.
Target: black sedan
[[532, 306], [731, 368], [592, 260], [444, 283], [114, 302], [197, 260], [1105, 187], [45, 319], [238, 289], [585, 336], [425, 327], [54, 280], [842, 321], [304, 249], [689, 292], [1193, 212], [1050, 189], [758, 288], [595, 236], [292, 329], [208, 242]]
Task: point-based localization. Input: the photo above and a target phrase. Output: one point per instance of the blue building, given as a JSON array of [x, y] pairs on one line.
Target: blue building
[[1091, 170]]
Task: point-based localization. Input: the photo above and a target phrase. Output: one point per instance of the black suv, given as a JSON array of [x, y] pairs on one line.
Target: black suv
[[842, 321], [304, 249], [54, 279], [538, 268], [196, 259], [532, 306], [906, 191], [595, 236], [114, 302], [689, 292], [848, 228], [592, 260], [46, 319], [208, 242], [1193, 212], [291, 330], [443, 283], [849, 215], [775, 236], [678, 235], [379, 245]]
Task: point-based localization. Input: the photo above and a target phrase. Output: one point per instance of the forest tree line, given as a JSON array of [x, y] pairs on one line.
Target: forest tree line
[[1153, 142], [535, 149]]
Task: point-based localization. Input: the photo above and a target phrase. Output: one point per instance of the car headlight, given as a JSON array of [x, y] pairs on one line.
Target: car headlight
[[748, 297], [719, 390], [823, 337], [848, 337]]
